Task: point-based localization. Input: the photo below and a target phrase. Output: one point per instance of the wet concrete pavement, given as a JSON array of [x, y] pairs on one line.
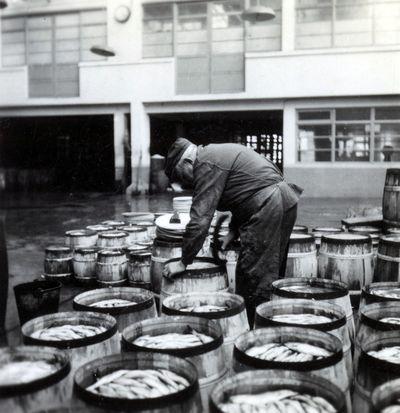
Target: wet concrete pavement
[[34, 221]]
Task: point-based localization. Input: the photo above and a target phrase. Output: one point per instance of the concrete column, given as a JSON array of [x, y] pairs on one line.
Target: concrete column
[[289, 135], [288, 25], [119, 160], [140, 144]]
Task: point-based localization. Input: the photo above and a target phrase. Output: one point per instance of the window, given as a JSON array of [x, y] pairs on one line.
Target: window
[[52, 45], [351, 134], [344, 23]]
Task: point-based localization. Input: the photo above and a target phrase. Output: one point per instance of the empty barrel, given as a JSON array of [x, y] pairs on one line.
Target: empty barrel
[[162, 334], [126, 304], [112, 239], [111, 268], [300, 229], [318, 232], [203, 275], [139, 269], [391, 198], [318, 290], [33, 378], [302, 256], [256, 384], [388, 261], [183, 400], [379, 362], [58, 263], [84, 264], [228, 310], [80, 238], [135, 234], [293, 349]]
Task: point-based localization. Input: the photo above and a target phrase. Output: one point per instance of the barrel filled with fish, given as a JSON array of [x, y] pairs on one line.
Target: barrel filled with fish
[[196, 339], [33, 378], [293, 349], [378, 363], [276, 391], [386, 397], [374, 320], [228, 310], [203, 275], [302, 256], [380, 292], [83, 335], [317, 315], [139, 382], [126, 304], [316, 289]]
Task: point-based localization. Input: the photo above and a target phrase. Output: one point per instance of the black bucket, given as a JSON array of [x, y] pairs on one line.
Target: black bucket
[[37, 298]]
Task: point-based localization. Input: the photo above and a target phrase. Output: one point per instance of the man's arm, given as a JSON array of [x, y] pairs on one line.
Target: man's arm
[[209, 186]]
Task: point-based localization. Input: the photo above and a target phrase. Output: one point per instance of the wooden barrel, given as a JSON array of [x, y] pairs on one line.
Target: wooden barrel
[[99, 228], [388, 262], [139, 269], [318, 232], [380, 293], [385, 396], [58, 263], [318, 290], [365, 230], [162, 252], [300, 229], [393, 231], [135, 248], [150, 227], [79, 350], [260, 381], [135, 234], [184, 401], [34, 393], [112, 239], [208, 358], [372, 322], [84, 264], [113, 223], [232, 319], [302, 256], [111, 267], [131, 218], [331, 368], [372, 371], [391, 199], [347, 258], [80, 238], [141, 306], [267, 315], [202, 276]]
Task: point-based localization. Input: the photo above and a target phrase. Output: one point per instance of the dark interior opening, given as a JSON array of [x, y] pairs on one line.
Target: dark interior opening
[[61, 153]]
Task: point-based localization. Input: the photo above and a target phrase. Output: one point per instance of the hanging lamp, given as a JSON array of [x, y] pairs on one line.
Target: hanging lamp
[[258, 13], [3, 4]]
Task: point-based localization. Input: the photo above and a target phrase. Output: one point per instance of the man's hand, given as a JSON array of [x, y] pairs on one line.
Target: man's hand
[[229, 237], [173, 268]]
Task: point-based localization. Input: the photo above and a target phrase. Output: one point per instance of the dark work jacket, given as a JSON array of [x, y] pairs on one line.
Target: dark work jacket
[[230, 177]]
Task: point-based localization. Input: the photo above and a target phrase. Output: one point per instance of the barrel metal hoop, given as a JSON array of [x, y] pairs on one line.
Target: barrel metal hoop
[[111, 263], [257, 363], [127, 309], [58, 259], [392, 188], [180, 352], [333, 325], [214, 315], [346, 257], [309, 295], [388, 258], [301, 254]]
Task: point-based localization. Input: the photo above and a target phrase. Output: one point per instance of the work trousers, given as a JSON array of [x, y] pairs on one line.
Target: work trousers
[[264, 242]]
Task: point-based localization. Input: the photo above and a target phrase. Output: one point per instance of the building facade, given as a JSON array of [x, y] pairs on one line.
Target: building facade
[[316, 89]]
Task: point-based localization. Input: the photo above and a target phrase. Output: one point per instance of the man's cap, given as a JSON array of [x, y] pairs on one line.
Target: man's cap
[[175, 153]]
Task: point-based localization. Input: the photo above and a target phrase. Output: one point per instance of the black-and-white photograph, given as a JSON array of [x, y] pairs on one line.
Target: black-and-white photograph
[[200, 206]]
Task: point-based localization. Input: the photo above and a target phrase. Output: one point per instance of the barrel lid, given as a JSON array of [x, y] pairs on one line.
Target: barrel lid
[[86, 250], [300, 228], [99, 228], [327, 230], [113, 234], [57, 248], [111, 253], [113, 223], [390, 240], [346, 238], [58, 358], [132, 229], [80, 233], [393, 230], [135, 248], [163, 223], [147, 244], [300, 238], [365, 229]]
